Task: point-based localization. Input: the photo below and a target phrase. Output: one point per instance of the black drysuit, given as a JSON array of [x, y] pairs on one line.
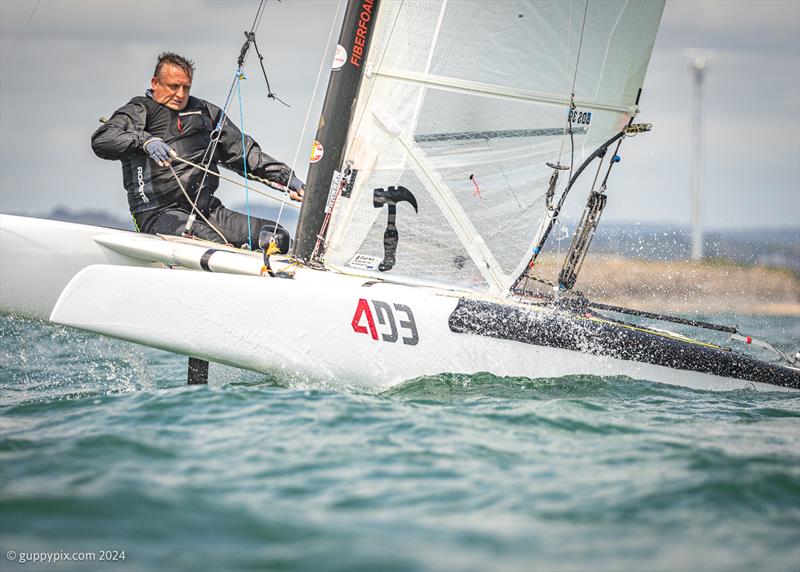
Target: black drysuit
[[154, 196]]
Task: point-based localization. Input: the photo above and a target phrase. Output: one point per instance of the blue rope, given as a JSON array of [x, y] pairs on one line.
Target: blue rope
[[244, 156], [237, 74]]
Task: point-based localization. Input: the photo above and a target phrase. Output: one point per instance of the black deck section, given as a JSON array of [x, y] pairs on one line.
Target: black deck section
[[558, 329]]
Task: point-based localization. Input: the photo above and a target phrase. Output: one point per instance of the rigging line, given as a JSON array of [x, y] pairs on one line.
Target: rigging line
[[258, 24], [250, 39], [270, 93], [237, 183], [580, 45], [21, 35], [212, 145], [510, 188], [566, 70], [572, 94], [211, 148], [311, 101], [569, 121], [557, 211], [217, 132], [571, 139], [194, 206], [665, 317], [611, 164], [259, 14], [599, 167], [208, 154], [244, 161]]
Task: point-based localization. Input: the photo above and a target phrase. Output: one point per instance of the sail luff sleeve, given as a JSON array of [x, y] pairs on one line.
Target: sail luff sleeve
[[337, 112]]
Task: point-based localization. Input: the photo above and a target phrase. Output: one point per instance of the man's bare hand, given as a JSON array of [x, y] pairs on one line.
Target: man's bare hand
[[296, 189]]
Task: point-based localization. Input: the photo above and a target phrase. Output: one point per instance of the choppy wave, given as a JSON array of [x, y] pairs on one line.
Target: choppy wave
[[103, 447]]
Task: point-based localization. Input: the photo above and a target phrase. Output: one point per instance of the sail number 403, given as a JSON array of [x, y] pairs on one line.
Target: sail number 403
[[392, 329]]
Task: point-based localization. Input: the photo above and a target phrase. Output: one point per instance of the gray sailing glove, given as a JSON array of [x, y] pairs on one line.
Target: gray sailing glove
[[159, 151]]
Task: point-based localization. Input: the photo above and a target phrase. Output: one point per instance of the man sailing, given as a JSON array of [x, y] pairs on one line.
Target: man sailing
[[148, 132]]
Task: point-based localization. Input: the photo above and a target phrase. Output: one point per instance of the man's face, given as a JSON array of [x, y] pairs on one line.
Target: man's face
[[171, 87]]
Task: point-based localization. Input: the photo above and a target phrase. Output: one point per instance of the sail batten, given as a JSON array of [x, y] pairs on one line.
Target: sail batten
[[473, 87], [483, 258], [505, 133]]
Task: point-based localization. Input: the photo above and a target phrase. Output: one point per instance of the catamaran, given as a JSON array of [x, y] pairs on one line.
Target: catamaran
[[451, 135]]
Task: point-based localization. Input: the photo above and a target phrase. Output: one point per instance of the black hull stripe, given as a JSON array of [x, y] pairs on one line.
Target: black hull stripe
[[206, 257], [570, 332]]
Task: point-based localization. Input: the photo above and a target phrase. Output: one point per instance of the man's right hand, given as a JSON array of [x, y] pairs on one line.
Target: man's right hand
[[296, 189], [159, 151]]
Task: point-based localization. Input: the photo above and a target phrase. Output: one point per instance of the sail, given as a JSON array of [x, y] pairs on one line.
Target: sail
[[461, 106]]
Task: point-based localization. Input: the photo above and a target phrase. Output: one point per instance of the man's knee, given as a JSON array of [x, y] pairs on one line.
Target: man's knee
[[164, 222]]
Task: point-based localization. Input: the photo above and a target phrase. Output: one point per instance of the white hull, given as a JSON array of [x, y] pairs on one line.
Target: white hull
[[39, 257], [315, 325]]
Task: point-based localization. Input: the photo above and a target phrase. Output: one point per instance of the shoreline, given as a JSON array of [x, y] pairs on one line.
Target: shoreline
[[686, 287]]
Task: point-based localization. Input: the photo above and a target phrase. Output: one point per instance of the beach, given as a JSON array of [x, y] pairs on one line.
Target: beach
[[708, 286]]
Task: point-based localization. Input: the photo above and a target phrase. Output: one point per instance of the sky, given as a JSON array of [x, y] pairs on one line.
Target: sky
[[79, 60]]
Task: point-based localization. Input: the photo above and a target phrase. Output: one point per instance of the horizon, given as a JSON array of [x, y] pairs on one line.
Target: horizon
[[775, 247], [264, 208]]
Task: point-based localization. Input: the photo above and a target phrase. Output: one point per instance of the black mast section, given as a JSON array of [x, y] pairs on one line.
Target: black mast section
[[337, 112]]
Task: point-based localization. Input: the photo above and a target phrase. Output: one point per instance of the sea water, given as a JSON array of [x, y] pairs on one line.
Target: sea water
[[110, 462]]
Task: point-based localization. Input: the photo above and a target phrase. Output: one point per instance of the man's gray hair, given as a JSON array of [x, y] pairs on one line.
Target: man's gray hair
[[185, 64]]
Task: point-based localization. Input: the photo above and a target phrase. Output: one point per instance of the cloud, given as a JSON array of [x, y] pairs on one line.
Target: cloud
[[735, 25], [81, 60]]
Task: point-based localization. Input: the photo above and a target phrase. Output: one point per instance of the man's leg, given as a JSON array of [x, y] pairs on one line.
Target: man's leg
[[234, 226], [172, 221]]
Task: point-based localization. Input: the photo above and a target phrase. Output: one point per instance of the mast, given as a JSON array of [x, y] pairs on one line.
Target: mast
[[334, 124]]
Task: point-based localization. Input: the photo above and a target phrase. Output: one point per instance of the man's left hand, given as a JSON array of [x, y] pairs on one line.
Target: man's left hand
[[159, 151], [296, 189]]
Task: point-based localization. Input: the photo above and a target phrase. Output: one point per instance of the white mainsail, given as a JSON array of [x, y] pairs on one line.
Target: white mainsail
[[463, 102]]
